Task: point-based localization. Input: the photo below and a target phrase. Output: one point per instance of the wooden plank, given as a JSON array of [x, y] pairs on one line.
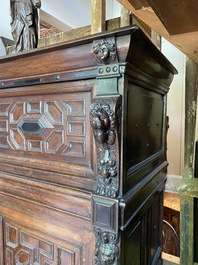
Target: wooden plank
[[144, 27], [98, 10], [178, 16], [170, 259], [187, 43], [138, 4], [172, 200]]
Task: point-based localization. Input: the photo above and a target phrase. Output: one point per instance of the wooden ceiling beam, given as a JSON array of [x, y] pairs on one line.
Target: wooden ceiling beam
[[187, 43], [178, 16], [138, 4]]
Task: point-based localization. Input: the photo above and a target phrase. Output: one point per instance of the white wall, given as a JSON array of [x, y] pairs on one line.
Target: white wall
[[75, 13], [113, 9], [5, 29], [175, 110]]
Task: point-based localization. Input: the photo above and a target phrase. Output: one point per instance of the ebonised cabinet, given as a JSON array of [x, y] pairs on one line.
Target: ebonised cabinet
[[82, 152]]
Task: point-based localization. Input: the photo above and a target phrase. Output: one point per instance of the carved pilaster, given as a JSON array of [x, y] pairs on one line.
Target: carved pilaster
[[107, 250], [104, 120]]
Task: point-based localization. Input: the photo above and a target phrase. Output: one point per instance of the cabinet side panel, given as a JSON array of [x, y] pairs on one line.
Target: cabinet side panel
[[132, 246], [144, 141]]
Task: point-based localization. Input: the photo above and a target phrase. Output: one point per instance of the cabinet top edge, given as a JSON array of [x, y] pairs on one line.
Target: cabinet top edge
[[132, 45]]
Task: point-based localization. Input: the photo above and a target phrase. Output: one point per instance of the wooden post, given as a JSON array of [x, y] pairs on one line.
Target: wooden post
[[98, 10], [186, 193], [186, 230], [190, 117], [125, 17]]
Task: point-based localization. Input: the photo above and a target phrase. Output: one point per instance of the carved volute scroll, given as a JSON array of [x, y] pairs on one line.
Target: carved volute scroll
[[107, 250], [105, 51], [104, 120]]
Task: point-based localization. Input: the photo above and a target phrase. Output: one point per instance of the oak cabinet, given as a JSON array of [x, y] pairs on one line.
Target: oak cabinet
[[82, 152]]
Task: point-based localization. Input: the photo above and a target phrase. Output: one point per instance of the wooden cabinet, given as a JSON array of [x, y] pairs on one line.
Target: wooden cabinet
[[82, 152]]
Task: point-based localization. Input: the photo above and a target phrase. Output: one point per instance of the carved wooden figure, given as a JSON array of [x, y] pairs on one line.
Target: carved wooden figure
[[24, 23], [82, 152]]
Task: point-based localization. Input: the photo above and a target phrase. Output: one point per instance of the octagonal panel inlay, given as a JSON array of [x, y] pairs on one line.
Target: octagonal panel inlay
[[32, 127], [35, 127]]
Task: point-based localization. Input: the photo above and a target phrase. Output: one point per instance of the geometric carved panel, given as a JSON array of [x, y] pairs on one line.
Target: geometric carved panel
[[76, 128], [75, 149], [17, 139], [54, 142], [24, 248], [4, 108], [34, 107], [53, 112], [3, 126], [4, 142], [52, 125], [75, 107], [17, 112]]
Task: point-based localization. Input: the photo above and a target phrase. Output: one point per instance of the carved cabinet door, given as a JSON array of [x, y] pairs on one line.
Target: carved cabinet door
[[46, 176]]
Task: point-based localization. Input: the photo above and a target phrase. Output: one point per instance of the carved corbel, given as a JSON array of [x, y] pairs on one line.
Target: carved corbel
[[104, 118], [104, 51]]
